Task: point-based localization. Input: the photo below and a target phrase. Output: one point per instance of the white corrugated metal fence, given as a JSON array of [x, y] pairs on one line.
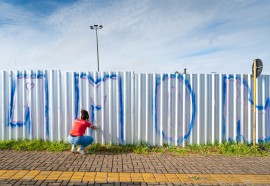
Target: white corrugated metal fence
[[134, 108]]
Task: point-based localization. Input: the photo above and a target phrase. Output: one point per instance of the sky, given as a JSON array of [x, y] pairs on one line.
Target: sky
[[145, 36]]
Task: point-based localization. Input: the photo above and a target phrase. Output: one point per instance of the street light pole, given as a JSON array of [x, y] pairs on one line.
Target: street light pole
[[96, 27]]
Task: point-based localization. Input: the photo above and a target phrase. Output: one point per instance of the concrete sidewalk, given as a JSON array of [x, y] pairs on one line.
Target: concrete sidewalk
[[45, 168]]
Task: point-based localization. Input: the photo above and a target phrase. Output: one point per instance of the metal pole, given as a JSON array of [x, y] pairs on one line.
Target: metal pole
[[97, 50], [96, 27], [254, 102]]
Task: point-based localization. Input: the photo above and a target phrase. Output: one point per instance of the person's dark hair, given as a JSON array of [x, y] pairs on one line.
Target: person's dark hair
[[84, 114]]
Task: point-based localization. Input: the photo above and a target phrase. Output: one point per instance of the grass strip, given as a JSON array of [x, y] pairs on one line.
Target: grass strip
[[34, 145], [226, 148]]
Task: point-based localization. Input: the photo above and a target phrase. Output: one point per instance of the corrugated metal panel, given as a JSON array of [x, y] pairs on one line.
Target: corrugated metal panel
[[132, 108]]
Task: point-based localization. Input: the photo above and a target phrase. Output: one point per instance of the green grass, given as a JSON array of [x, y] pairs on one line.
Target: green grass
[[34, 145], [226, 148], [97, 148], [229, 149]]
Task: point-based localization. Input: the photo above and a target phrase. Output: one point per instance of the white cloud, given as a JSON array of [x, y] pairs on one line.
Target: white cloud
[[144, 36]]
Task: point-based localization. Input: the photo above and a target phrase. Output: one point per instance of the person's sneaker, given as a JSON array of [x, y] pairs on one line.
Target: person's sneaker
[[81, 151], [73, 149]]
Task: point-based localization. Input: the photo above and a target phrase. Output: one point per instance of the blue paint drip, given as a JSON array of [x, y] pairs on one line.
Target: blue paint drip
[[28, 121], [77, 94], [13, 87], [223, 103], [155, 106], [239, 136], [47, 105], [92, 113], [121, 110]]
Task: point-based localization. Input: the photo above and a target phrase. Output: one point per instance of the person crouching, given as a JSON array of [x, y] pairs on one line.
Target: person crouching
[[76, 135]]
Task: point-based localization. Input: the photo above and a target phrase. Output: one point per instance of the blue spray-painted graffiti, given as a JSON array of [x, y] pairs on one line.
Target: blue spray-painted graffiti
[[239, 136], [243, 81], [95, 106], [239, 130], [77, 93], [93, 109], [224, 96], [29, 86], [156, 106], [16, 117], [121, 110]]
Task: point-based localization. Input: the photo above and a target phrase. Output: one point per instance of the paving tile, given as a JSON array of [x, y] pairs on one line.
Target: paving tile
[[65, 168]]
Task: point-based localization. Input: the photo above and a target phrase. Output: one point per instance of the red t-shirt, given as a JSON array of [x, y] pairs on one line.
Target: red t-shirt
[[79, 127]]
